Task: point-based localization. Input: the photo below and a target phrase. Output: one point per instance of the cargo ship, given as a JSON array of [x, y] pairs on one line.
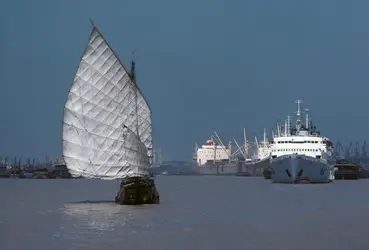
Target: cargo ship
[[213, 159]]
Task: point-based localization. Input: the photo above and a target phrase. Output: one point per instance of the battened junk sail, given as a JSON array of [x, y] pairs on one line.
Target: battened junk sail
[[107, 130]]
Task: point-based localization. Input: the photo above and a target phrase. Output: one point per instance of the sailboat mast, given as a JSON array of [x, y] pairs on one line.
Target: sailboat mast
[[133, 73], [133, 76]]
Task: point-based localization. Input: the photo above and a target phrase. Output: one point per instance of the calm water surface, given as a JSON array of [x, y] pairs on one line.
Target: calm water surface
[[204, 213]]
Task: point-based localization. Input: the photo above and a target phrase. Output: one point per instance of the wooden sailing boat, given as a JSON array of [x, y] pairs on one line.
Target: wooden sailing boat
[[107, 130]]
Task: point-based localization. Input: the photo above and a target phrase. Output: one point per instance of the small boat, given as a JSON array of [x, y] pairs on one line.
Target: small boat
[[28, 172], [4, 173], [16, 172], [41, 173], [61, 171], [346, 170]]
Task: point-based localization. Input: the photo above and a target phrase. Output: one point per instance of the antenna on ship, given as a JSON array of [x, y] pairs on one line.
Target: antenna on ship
[[298, 114], [307, 119]]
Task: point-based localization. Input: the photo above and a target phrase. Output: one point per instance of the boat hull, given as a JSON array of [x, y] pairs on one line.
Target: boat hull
[[231, 169], [137, 191], [257, 168], [234, 169], [267, 173], [300, 169], [363, 173], [347, 173], [4, 172]]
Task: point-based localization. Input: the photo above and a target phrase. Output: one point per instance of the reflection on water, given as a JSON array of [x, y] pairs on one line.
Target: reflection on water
[[101, 217], [195, 213]]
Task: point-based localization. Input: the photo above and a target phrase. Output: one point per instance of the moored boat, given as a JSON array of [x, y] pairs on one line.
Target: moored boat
[[301, 154]]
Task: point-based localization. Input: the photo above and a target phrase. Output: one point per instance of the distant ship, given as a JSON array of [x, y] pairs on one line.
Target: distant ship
[[60, 170], [259, 162], [4, 173], [301, 154], [214, 159]]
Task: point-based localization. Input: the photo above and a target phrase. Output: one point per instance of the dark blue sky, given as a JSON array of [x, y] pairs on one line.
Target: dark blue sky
[[201, 65]]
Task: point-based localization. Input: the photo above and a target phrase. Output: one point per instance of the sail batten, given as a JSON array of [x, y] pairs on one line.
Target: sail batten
[[107, 130]]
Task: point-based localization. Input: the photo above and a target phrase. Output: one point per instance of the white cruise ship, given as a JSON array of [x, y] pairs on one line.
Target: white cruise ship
[[301, 154]]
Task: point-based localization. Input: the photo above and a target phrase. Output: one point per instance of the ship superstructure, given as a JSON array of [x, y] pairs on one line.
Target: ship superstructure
[[263, 148], [257, 162], [300, 153], [211, 152], [214, 158]]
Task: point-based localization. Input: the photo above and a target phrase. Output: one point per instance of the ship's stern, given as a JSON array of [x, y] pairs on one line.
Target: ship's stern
[[137, 191]]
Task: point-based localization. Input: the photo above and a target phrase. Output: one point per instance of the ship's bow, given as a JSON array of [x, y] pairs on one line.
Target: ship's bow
[[299, 169]]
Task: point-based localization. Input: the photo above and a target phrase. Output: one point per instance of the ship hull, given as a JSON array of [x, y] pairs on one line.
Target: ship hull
[[235, 169], [348, 173], [300, 169], [231, 169], [137, 191], [257, 168]]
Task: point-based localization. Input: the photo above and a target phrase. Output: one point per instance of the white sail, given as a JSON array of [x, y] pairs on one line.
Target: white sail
[[107, 129], [145, 124]]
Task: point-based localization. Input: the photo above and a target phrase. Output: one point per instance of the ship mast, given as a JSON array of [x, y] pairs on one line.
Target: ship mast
[[286, 128], [307, 119], [246, 147], [133, 67], [256, 142], [288, 125], [215, 149], [298, 114]]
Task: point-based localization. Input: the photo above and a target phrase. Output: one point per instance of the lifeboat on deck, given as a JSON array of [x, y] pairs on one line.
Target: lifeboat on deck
[[327, 142]]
